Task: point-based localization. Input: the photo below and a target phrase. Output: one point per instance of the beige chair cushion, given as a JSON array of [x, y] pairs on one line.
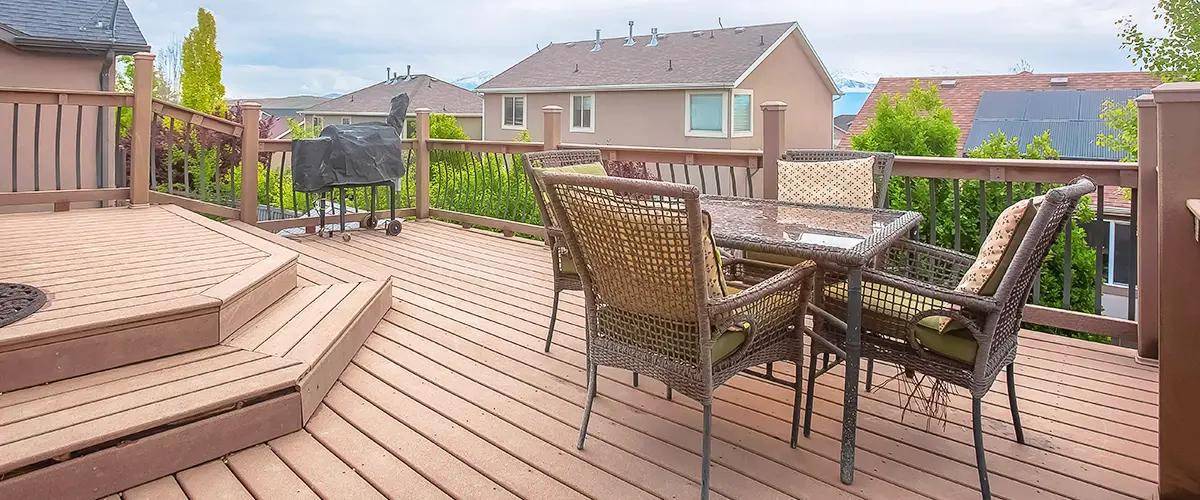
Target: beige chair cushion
[[844, 183], [998, 249]]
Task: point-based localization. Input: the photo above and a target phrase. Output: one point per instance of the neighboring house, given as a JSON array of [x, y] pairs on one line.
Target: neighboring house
[[699, 89], [841, 127], [283, 108], [62, 44], [373, 104], [1025, 105]]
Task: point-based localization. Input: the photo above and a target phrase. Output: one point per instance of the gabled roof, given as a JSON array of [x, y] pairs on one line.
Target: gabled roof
[[70, 25], [843, 122], [296, 102], [686, 59], [423, 91], [964, 95]]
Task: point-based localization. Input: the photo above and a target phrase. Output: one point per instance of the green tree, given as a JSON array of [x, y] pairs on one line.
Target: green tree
[[297, 130], [1174, 57], [1123, 120], [916, 124], [200, 83], [445, 127]]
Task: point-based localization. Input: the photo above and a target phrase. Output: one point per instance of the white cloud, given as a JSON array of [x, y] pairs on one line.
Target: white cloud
[[310, 46]]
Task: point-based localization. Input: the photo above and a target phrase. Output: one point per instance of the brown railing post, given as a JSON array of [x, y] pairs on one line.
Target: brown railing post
[[422, 163], [551, 127], [773, 146], [143, 99], [248, 210], [1147, 227], [1179, 255]]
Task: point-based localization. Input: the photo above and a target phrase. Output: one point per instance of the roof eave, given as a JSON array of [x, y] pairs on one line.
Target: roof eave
[[63, 45], [601, 88]]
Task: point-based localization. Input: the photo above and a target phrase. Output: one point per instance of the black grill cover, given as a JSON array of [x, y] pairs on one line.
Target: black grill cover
[[350, 155]]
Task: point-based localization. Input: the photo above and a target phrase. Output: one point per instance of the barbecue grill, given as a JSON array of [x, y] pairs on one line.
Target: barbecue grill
[[351, 156]]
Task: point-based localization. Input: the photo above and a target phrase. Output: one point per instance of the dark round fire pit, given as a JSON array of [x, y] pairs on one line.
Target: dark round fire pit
[[18, 301]]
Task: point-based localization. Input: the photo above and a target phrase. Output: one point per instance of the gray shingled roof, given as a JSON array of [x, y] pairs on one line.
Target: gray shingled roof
[[1071, 116], [423, 92], [296, 102], [70, 24], [684, 59]]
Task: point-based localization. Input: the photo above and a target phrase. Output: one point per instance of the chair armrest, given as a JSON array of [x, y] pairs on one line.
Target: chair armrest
[[790, 280], [969, 301], [926, 263]]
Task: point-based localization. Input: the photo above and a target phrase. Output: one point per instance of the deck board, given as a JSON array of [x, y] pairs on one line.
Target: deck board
[[212, 481], [452, 396]]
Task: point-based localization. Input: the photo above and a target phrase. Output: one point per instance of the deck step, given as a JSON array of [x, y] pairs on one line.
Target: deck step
[[104, 432], [319, 326]]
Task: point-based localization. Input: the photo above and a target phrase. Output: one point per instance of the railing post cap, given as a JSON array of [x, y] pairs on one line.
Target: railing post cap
[[552, 108], [250, 104], [1144, 101], [773, 106], [422, 111], [1177, 92], [144, 55]]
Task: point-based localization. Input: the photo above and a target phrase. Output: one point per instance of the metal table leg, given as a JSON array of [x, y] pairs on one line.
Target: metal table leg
[[342, 212], [853, 353]]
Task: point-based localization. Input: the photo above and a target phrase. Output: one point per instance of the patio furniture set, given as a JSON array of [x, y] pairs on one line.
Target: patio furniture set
[[694, 289]]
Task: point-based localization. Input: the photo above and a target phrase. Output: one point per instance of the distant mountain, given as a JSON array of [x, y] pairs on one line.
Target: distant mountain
[[855, 80], [471, 81], [333, 95]]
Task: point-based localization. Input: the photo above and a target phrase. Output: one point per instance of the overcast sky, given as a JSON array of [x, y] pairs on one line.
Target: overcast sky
[[320, 46]]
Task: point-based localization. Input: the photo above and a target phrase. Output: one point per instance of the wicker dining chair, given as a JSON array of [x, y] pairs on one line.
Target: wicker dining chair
[[565, 277], [916, 283], [654, 292]]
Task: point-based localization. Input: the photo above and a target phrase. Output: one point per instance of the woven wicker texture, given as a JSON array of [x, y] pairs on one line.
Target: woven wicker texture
[[844, 183], [881, 171], [640, 249], [917, 280]]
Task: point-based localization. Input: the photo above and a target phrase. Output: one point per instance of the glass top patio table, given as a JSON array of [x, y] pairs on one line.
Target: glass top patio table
[[837, 235]]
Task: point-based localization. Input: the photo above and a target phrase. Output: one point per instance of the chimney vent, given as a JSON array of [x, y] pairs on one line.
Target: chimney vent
[[597, 47], [408, 72], [629, 41], [670, 65], [653, 38], [948, 84], [1059, 81], [576, 67], [762, 40], [389, 75]]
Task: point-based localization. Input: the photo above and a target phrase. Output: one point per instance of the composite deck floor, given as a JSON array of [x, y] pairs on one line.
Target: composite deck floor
[[452, 397]]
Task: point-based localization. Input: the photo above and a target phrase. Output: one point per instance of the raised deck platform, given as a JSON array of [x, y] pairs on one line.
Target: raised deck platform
[[127, 285]]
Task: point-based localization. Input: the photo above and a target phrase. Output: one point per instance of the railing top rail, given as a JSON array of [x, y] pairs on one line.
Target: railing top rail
[[199, 119], [649, 149], [485, 146], [23, 95], [749, 158], [1016, 170]]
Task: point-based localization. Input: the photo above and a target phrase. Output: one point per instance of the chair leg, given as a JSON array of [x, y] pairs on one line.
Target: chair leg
[[1012, 405], [870, 372], [553, 318], [587, 409], [980, 461], [707, 452], [668, 394], [635, 379], [796, 406], [825, 361], [808, 401]]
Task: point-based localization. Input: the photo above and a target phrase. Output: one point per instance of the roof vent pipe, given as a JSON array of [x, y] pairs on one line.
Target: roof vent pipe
[[389, 75], [629, 41], [653, 38], [408, 72], [597, 47], [762, 40]]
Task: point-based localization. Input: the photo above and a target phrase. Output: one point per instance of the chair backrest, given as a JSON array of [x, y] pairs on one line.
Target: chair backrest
[[638, 247], [882, 170], [1052, 216], [554, 159]]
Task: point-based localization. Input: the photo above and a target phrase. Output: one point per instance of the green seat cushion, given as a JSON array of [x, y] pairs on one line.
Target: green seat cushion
[[773, 258], [566, 264], [727, 343], [954, 342]]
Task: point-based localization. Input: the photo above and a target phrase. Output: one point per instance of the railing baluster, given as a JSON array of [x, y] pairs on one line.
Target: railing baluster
[[1009, 192], [16, 128], [733, 180], [267, 183], [1037, 277], [37, 146], [1067, 261], [703, 181], [1101, 249], [203, 173], [79, 147], [687, 174], [187, 158], [153, 154], [983, 212], [957, 218], [908, 204], [1132, 261], [932, 211], [171, 159], [672, 172], [58, 148]]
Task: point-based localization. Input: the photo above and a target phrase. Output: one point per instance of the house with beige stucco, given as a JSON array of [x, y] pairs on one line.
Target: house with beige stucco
[[69, 45], [372, 104], [694, 89]]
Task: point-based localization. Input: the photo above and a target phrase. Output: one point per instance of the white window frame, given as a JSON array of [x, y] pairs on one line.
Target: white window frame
[[346, 120], [590, 129], [687, 114], [1112, 253], [504, 112], [732, 131], [318, 122]]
